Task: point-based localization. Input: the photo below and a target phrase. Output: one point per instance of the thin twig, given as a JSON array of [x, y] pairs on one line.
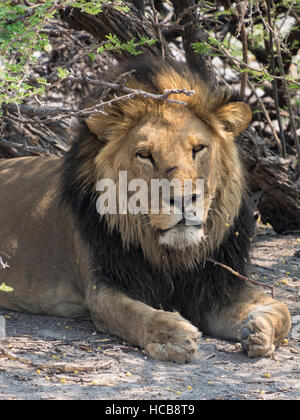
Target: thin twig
[[187, 11], [235, 273], [160, 36], [274, 82], [240, 63], [288, 101], [269, 26], [267, 117], [23, 147], [64, 368], [60, 113], [242, 29]]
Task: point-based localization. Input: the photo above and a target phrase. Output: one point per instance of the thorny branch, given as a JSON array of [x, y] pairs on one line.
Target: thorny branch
[[288, 101], [163, 54], [41, 115]]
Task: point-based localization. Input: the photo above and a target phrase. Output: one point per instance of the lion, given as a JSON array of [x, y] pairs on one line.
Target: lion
[[142, 277]]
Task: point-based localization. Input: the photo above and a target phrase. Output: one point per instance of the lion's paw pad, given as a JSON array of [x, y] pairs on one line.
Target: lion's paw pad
[[257, 337]]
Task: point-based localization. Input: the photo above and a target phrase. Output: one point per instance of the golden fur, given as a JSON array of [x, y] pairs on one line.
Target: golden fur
[[124, 271], [217, 121]]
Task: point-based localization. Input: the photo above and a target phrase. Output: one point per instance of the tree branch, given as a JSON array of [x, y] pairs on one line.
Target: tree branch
[[41, 115], [235, 273], [186, 12], [242, 29], [274, 82], [267, 116], [112, 21]]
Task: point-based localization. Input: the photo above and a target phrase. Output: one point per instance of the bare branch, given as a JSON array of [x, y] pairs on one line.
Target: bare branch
[[239, 64], [274, 82], [288, 101], [160, 36], [55, 367], [242, 29], [235, 273], [267, 116], [41, 115]]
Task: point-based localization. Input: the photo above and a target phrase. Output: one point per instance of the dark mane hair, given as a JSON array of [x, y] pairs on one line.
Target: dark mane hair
[[190, 291]]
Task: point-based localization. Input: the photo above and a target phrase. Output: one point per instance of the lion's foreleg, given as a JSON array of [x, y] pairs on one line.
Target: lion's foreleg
[[255, 319], [164, 335]]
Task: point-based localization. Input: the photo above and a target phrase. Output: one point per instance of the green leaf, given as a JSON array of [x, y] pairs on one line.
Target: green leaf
[[92, 56], [293, 86], [62, 73], [5, 288]]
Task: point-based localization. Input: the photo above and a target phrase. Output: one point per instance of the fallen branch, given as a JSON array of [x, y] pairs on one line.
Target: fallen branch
[[23, 147], [235, 273], [5, 255], [63, 368]]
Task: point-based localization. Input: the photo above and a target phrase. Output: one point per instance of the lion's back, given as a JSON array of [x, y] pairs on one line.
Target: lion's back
[[35, 232], [32, 169]]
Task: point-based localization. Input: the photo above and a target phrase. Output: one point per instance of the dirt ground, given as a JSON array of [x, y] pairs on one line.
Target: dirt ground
[[54, 358]]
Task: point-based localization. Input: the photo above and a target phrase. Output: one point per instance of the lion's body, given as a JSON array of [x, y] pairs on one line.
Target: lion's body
[[50, 267], [39, 238], [128, 272]]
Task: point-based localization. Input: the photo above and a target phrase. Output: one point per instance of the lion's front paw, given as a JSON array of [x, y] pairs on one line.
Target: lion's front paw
[[171, 337], [257, 336]]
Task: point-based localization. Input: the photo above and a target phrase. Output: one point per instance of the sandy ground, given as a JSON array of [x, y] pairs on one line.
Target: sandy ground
[[54, 358]]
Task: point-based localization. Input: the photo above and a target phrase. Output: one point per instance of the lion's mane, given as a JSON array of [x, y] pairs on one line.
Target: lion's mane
[[160, 277]]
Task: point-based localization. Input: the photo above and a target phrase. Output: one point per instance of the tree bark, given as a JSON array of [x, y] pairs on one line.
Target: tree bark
[[111, 21], [192, 34], [279, 203]]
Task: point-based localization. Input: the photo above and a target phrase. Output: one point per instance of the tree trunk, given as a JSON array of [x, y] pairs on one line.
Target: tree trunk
[[126, 26], [192, 33], [279, 202]]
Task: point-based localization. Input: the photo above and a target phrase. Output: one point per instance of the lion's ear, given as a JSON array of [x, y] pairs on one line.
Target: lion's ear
[[94, 123], [235, 117]]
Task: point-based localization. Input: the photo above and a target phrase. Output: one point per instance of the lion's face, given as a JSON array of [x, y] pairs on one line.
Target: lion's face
[[176, 146], [154, 142]]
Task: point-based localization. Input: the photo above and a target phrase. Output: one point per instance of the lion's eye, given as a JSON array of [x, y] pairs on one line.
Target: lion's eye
[[144, 154], [198, 148]]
